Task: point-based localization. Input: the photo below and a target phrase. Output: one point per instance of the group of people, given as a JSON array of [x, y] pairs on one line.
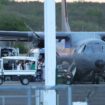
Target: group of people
[[27, 65], [40, 71], [19, 65]]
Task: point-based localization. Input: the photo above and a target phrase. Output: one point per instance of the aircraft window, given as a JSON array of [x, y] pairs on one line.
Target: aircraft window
[[103, 48], [81, 49], [87, 49], [97, 48], [84, 48], [94, 48]]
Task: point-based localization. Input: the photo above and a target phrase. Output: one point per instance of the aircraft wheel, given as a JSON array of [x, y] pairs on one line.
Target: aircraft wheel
[[1, 80], [24, 81]]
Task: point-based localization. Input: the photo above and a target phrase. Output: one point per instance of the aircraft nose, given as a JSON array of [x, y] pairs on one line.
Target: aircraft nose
[[100, 64]]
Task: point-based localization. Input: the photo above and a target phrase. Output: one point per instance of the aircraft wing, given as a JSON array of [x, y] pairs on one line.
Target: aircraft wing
[[16, 36], [29, 36], [38, 37]]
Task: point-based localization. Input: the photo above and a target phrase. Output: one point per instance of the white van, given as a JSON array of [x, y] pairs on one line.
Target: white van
[[19, 67]]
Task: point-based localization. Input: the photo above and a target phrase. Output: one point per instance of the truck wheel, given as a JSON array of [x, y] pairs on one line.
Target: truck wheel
[[1, 80], [24, 81]]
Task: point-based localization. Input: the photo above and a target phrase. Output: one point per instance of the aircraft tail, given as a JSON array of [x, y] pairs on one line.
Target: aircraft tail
[[64, 15]]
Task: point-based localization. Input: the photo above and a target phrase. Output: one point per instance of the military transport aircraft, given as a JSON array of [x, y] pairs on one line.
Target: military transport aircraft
[[89, 47]]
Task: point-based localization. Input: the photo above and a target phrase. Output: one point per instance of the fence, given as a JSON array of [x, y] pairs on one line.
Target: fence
[[32, 95]]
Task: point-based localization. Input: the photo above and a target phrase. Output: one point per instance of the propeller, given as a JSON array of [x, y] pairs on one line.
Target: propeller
[[35, 34], [32, 30]]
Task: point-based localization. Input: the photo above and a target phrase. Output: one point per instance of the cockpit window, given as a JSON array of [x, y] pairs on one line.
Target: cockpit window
[[84, 48], [87, 49], [91, 48], [80, 49], [94, 48]]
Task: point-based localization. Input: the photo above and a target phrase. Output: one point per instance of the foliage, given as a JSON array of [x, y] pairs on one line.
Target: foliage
[[9, 21], [94, 12], [30, 13], [84, 26], [4, 1], [82, 16], [22, 48]]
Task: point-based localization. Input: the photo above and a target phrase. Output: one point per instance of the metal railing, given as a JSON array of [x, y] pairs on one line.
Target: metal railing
[[32, 95]]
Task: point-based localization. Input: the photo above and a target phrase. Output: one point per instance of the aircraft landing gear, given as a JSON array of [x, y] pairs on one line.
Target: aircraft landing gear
[[96, 79], [97, 74]]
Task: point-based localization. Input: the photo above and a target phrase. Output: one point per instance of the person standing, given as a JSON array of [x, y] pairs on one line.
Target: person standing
[[27, 65], [19, 65], [33, 65]]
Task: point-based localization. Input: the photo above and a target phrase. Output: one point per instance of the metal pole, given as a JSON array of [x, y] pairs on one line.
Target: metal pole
[[69, 95], [37, 97], [29, 96], [41, 97], [3, 100], [50, 51], [57, 95], [50, 42]]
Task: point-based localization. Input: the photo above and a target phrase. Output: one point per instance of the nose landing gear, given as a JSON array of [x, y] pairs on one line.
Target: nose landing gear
[[98, 73]]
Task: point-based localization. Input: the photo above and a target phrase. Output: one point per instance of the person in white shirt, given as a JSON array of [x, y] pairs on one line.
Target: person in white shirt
[[19, 65], [27, 65]]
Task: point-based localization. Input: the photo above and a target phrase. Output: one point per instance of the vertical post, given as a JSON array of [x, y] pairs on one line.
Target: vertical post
[[3, 100], [50, 51], [37, 101], [57, 97], [50, 42], [69, 95], [29, 96], [41, 97]]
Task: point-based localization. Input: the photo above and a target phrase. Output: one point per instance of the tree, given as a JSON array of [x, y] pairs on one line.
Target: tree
[[22, 47], [9, 21], [4, 1]]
